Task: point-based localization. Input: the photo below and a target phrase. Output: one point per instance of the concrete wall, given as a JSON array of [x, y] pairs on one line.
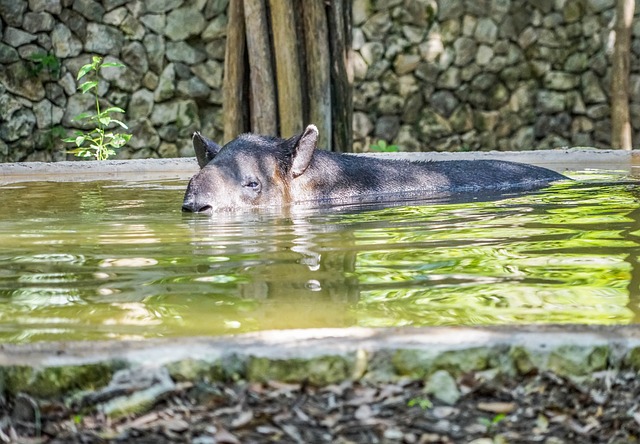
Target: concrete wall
[[429, 75]]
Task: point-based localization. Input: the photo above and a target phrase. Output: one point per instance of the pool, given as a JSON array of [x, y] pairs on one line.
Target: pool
[[117, 259]]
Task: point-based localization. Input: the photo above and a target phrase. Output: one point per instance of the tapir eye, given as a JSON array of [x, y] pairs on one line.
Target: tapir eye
[[252, 184]]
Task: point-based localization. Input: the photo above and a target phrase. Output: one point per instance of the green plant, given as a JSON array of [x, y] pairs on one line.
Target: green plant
[[383, 147], [42, 61], [53, 134], [491, 424], [98, 142], [423, 403]]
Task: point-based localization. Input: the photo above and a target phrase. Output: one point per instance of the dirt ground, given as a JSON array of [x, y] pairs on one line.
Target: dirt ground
[[539, 408]]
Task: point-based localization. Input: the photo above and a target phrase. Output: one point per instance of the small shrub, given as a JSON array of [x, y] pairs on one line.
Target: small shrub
[[383, 147], [98, 142]]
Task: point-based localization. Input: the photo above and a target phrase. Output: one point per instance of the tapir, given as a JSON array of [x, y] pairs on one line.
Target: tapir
[[254, 171]]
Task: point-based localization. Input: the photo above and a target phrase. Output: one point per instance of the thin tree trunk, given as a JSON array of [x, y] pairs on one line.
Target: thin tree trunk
[[341, 76], [287, 61], [318, 64], [263, 93], [620, 121], [233, 90]]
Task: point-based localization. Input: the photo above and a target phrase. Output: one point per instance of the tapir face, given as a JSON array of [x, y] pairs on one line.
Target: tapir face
[[248, 172]]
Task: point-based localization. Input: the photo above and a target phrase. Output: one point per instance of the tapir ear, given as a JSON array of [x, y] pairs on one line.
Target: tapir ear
[[303, 151], [205, 149]]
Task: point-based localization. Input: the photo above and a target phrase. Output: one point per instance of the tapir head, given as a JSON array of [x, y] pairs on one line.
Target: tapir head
[[250, 171]]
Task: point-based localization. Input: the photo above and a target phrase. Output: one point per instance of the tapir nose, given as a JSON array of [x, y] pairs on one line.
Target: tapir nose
[[194, 207]]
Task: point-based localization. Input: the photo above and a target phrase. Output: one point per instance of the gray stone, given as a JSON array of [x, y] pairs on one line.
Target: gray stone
[[183, 23], [194, 88], [169, 132], [449, 79], [560, 81], [55, 94], [162, 6], [387, 127], [115, 17], [390, 104], [469, 23], [215, 29], [166, 83], [163, 113], [462, 119], [141, 104], [498, 95], [372, 52], [528, 37], [75, 22], [103, 39], [76, 104], [112, 4], [450, 10], [486, 31], [38, 22], [144, 135], [413, 34], [52, 6], [187, 119], [599, 6], [210, 72], [598, 112], [12, 11], [16, 37], [169, 150], [432, 125], [377, 27], [8, 54], [183, 52], [412, 107], [132, 28], [215, 49], [64, 43], [360, 11], [484, 55], [90, 9], [68, 83], [549, 101], [362, 125], [155, 46], [150, 81], [20, 125], [407, 139], [215, 7], [591, 89], [135, 57], [431, 49], [443, 387], [126, 78], [17, 79], [360, 67], [405, 63], [449, 31], [43, 113], [443, 102], [523, 139], [154, 22], [8, 105], [465, 50], [573, 11]]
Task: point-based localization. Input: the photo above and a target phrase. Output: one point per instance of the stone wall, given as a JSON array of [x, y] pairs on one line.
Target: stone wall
[[486, 74], [429, 74], [173, 51]]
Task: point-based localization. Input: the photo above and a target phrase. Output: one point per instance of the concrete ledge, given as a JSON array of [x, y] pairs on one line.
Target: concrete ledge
[[324, 356], [182, 168]]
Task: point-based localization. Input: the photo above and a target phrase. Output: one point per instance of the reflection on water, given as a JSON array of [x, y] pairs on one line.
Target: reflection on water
[[119, 260]]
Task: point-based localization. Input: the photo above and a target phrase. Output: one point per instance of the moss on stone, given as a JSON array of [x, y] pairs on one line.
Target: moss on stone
[[320, 370]]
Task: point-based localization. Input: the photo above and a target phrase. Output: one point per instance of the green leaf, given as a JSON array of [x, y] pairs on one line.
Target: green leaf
[[113, 109], [113, 65], [105, 120], [82, 116], [84, 70], [80, 140], [95, 61], [88, 86], [120, 123]]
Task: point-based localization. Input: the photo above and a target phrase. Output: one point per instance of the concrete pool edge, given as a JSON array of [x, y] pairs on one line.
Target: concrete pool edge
[[140, 169], [323, 356]]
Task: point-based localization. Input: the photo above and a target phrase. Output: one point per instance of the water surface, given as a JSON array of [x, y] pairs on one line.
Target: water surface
[[100, 260]]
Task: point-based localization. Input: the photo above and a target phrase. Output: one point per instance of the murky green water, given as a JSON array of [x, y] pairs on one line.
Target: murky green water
[[105, 260]]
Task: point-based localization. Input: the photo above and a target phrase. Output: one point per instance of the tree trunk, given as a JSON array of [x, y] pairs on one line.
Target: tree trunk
[[262, 85], [298, 65], [234, 97], [620, 121]]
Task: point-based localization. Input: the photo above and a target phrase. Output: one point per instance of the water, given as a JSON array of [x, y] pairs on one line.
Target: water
[[105, 260]]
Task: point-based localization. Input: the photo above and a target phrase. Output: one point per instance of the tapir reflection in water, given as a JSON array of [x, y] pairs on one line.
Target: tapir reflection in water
[[255, 171]]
